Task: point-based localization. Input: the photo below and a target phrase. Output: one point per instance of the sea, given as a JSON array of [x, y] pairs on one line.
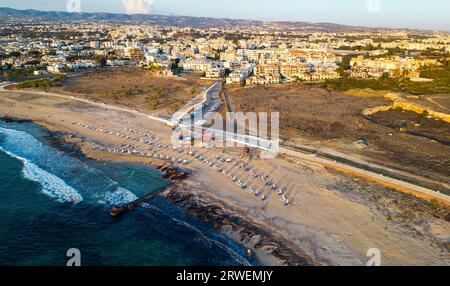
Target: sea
[[53, 199]]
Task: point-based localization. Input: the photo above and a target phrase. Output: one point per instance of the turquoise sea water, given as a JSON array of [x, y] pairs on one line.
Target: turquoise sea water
[[53, 199]]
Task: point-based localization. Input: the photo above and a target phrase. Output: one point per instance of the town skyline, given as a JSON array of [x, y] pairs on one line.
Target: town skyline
[[365, 13]]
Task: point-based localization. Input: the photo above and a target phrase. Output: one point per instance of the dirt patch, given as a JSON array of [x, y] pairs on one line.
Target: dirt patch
[[310, 112], [134, 88], [335, 120], [427, 221], [415, 124], [27, 97]]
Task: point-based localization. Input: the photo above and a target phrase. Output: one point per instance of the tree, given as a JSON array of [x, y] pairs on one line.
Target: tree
[[385, 76], [101, 61], [35, 54], [345, 66], [14, 54]]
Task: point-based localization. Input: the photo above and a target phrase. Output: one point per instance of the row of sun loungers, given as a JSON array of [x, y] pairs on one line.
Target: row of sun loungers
[[241, 172]]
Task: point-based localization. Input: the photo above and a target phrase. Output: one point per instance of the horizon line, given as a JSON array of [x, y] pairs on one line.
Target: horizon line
[[168, 14]]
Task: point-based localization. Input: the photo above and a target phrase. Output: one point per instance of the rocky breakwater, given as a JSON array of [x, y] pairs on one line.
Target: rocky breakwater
[[256, 238], [171, 173]]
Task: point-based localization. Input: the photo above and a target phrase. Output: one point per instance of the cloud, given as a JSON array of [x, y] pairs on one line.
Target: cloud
[[138, 6]]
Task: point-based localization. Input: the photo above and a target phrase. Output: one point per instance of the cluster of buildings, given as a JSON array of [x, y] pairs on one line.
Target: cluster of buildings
[[241, 65], [239, 55], [362, 67]]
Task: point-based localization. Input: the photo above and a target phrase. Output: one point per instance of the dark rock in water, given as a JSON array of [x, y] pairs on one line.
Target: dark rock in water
[[10, 119], [117, 211], [251, 236], [174, 174]]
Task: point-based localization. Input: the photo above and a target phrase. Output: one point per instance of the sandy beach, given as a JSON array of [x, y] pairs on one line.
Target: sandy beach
[[334, 218]]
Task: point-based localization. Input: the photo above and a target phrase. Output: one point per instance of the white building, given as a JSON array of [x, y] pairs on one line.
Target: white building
[[56, 68], [236, 77], [40, 72]]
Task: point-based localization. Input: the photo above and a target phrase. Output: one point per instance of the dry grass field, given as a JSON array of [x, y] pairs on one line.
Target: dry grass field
[[402, 140], [134, 88]]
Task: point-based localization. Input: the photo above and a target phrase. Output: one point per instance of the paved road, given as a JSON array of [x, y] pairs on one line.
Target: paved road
[[202, 103], [265, 145]]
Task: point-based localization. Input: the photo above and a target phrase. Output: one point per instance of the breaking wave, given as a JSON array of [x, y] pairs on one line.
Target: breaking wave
[[87, 183], [52, 185], [119, 197]]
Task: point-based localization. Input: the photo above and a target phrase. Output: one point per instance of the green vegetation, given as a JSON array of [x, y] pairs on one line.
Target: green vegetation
[[35, 54], [17, 74], [129, 93], [14, 54], [434, 53], [345, 66], [42, 84], [369, 47], [345, 84], [439, 85], [34, 62], [155, 69], [437, 73], [101, 61]]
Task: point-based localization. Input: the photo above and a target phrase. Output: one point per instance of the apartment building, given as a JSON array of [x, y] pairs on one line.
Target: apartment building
[[262, 80], [269, 69], [290, 71]]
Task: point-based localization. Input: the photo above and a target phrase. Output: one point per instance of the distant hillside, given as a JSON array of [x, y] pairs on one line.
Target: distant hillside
[[182, 21], [179, 21]]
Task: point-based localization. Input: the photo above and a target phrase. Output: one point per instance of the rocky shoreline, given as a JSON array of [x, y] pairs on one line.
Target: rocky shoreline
[[246, 233], [10, 119], [254, 238]]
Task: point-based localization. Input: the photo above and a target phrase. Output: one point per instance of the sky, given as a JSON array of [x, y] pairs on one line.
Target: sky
[[420, 14]]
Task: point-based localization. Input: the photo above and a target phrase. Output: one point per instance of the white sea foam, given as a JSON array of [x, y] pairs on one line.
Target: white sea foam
[[119, 197], [105, 189], [52, 185]]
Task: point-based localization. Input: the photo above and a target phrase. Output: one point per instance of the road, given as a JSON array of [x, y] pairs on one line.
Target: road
[[267, 145], [431, 99], [204, 103], [402, 185]]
